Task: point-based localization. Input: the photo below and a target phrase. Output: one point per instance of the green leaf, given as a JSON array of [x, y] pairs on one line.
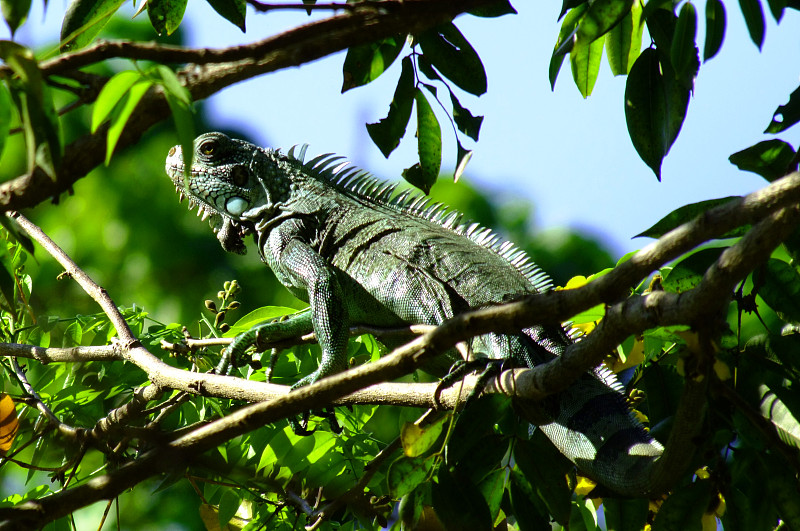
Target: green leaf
[[546, 469], [754, 18], [180, 103], [780, 415], [453, 56], [34, 103], [684, 508], [228, 505], [770, 159], [5, 115], [655, 108], [467, 123], [406, 473], [416, 440], [73, 335], [15, 12], [7, 289], [583, 516], [410, 508], [686, 213], [364, 64], [231, 10], [782, 488], [166, 15], [601, 16], [386, 133], [777, 7], [624, 41], [689, 272], [585, 63], [683, 52], [112, 92], [715, 28], [492, 488], [84, 20], [463, 157], [625, 515], [458, 503], [135, 94], [779, 286], [787, 115], [565, 41], [429, 147], [527, 508], [497, 8]]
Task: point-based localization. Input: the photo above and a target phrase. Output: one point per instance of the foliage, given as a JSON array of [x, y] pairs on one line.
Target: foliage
[[80, 417]]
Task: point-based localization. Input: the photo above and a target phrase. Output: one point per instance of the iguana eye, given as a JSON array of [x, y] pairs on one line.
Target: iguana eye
[[240, 175], [209, 147]]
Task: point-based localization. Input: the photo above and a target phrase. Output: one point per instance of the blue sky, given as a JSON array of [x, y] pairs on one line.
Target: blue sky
[[570, 157]]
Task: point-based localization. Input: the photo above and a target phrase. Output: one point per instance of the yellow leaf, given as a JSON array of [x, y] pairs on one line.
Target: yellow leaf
[[722, 370], [9, 425], [585, 486], [416, 441], [574, 282], [709, 522]]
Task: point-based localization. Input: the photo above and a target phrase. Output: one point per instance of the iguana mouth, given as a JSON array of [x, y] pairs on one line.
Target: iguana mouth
[[230, 233]]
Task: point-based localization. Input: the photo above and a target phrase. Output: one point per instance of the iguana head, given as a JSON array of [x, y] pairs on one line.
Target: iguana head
[[223, 184]]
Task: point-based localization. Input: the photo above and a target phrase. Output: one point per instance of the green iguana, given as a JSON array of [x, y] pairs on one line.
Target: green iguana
[[360, 254]]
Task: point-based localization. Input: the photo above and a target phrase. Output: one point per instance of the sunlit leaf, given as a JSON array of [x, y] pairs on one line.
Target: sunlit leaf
[[598, 20], [624, 41], [386, 133], [429, 146], [770, 159], [715, 28], [166, 15], [463, 156], [5, 115], [453, 56], [113, 91], [787, 115], [565, 41], [135, 94], [366, 62], [754, 18], [84, 20], [686, 213], [585, 63], [34, 103], [232, 10], [418, 440]]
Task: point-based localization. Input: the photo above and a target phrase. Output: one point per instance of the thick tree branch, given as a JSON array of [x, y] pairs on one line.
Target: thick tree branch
[[213, 70]]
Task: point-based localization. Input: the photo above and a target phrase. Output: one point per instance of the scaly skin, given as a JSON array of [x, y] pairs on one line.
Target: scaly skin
[[359, 256]]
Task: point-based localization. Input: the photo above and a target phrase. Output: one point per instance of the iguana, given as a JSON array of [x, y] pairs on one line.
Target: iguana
[[361, 254]]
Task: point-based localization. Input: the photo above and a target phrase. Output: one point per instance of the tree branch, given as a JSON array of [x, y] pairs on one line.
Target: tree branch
[[213, 70]]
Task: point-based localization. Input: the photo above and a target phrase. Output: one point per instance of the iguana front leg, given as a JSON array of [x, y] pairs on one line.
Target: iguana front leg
[[305, 272], [262, 334]]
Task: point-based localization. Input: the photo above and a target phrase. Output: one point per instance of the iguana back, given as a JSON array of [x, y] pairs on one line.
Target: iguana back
[[361, 254]]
